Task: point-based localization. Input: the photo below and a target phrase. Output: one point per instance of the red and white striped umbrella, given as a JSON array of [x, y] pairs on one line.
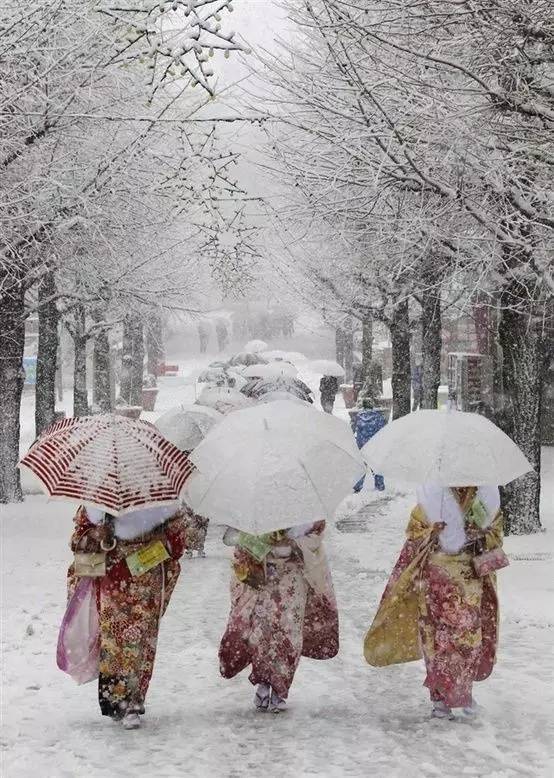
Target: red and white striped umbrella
[[109, 462]]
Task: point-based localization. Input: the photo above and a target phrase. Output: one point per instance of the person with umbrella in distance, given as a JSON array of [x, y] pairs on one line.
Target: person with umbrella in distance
[[129, 533], [440, 601], [329, 384], [204, 329], [328, 390], [222, 334], [294, 465], [369, 421]]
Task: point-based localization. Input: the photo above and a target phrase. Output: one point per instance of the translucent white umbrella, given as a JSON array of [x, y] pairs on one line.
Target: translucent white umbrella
[[275, 354], [247, 358], [211, 375], [273, 466], [256, 387], [235, 373], [327, 367], [186, 425], [224, 399], [284, 356], [273, 370], [255, 346], [270, 397], [450, 448]]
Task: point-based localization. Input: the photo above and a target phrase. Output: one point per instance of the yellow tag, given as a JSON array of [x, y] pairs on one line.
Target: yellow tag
[[146, 558]]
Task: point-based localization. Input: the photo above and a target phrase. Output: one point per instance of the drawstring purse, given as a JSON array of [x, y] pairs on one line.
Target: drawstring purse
[[484, 562], [90, 565], [489, 561]]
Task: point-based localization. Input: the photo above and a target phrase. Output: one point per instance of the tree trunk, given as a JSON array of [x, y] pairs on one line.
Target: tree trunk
[[47, 353], [113, 379], [12, 377], [401, 373], [348, 351], [138, 362], [367, 346], [339, 345], [126, 363], [431, 332], [59, 369], [523, 344], [101, 365], [80, 393], [154, 346], [132, 361]]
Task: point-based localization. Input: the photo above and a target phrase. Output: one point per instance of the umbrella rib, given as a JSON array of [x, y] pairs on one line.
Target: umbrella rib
[[305, 469]]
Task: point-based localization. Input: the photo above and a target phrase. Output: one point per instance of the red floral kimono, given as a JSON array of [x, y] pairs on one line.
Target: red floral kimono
[[130, 609], [435, 606], [198, 526], [292, 614]]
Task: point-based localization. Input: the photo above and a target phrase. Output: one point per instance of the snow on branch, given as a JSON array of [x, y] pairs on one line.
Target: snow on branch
[[172, 38]]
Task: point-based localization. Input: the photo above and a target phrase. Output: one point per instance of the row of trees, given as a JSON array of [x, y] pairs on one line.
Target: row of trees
[[113, 186], [420, 151]]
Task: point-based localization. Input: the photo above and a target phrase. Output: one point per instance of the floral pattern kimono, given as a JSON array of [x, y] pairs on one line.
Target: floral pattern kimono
[[198, 529], [292, 613], [130, 609], [435, 606]]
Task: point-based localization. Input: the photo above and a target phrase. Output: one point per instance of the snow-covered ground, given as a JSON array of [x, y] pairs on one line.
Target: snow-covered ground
[[344, 719]]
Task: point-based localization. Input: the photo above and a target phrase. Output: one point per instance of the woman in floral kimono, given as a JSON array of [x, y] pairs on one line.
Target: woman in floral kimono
[[282, 608], [440, 601], [130, 606]]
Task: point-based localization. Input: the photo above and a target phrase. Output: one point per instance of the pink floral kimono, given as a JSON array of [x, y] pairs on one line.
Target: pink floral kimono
[[286, 612], [436, 606], [130, 609]]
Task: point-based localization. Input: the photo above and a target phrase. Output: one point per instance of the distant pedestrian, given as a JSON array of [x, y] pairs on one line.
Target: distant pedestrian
[[417, 386], [369, 421], [222, 334], [328, 390], [288, 325], [357, 378], [203, 335]]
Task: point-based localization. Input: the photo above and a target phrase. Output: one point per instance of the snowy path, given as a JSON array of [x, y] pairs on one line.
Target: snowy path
[[344, 718]]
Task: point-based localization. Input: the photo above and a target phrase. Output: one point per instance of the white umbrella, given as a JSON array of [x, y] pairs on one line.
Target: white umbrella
[[224, 399], [284, 356], [235, 373], [244, 358], [255, 346], [186, 425], [327, 367], [273, 466], [211, 375], [273, 370], [450, 448], [275, 354], [270, 397]]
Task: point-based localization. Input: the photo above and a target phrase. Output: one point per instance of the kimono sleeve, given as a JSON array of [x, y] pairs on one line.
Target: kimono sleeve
[[494, 536]]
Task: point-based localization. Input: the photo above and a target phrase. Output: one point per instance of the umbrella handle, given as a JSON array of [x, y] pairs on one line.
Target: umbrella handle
[[110, 547]]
